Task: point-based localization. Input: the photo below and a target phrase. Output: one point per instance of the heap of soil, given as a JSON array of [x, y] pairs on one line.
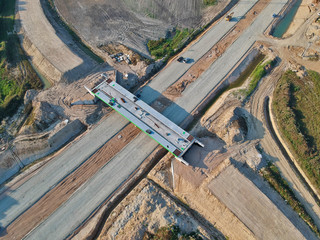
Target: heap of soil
[[146, 209], [228, 124]]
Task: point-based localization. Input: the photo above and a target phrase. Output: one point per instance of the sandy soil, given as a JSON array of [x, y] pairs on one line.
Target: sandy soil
[[132, 23], [52, 49], [133, 217], [190, 183], [304, 11], [261, 210]]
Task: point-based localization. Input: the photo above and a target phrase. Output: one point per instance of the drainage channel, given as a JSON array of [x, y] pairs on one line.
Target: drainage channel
[[284, 23]]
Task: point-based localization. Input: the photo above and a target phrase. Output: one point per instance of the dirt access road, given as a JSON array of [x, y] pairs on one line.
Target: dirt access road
[[257, 108], [204, 84]]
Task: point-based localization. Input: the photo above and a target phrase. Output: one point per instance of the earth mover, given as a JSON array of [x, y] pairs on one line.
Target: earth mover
[[229, 17]]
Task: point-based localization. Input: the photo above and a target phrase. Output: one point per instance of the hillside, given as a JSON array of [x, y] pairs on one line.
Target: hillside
[[132, 22], [296, 105]]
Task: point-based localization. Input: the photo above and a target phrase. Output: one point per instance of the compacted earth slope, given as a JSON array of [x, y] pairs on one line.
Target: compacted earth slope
[[132, 22]]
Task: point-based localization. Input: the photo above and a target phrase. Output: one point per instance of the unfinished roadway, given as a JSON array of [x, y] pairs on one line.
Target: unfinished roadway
[[81, 204], [54, 53]]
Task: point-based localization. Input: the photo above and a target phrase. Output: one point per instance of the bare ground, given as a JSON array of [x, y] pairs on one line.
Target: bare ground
[[131, 23], [195, 185], [190, 185]]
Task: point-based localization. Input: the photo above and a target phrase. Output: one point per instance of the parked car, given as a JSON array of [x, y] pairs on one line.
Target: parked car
[[180, 59], [186, 60]]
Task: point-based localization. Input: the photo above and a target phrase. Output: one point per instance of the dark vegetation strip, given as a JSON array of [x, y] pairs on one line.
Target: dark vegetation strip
[[272, 174], [296, 105], [209, 2], [285, 153], [172, 232], [167, 47], [86, 49], [259, 72], [16, 73]]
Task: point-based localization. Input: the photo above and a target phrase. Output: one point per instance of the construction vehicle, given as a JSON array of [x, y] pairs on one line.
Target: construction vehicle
[[229, 17]]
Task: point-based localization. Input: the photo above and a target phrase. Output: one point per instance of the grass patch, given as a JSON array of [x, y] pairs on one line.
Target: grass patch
[[259, 72], [86, 49], [171, 232], [16, 73], [209, 2], [272, 174], [167, 47], [296, 104]]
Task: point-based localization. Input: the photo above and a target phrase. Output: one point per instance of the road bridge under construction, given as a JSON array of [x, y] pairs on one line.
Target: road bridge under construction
[[158, 127]]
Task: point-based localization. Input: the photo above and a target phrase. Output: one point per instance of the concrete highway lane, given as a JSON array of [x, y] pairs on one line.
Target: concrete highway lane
[[175, 70], [77, 205], [57, 169], [13, 204], [200, 88], [90, 195]]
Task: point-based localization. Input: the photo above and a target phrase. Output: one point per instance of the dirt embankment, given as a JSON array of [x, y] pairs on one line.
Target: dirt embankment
[[148, 208], [213, 54], [305, 10], [28, 148], [57, 116], [231, 145], [60, 193]]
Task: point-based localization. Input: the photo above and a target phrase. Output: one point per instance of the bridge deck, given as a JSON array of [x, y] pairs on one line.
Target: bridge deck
[[158, 127]]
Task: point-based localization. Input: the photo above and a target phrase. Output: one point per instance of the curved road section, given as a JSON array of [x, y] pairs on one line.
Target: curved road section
[[51, 53]]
